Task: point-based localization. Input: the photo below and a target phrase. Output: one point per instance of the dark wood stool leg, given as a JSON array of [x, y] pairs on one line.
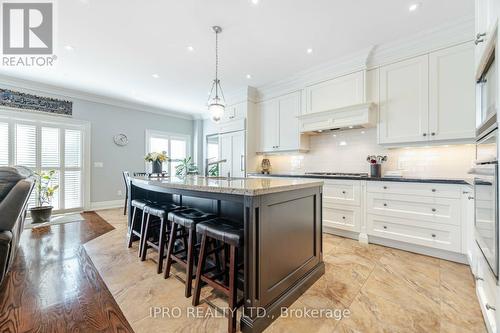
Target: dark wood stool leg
[[161, 244], [144, 237], [126, 204], [131, 234], [171, 243], [190, 259], [233, 289], [199, 270]]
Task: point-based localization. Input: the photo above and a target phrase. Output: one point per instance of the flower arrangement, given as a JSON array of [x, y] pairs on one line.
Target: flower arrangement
[[156, 157], [44, 188]]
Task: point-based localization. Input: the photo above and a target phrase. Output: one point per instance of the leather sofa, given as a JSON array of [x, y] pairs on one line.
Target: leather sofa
[[16, 185]]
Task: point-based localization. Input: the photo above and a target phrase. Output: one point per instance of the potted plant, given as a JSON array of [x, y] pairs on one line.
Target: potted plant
[[187, 167], [157, 160], [44, 192]]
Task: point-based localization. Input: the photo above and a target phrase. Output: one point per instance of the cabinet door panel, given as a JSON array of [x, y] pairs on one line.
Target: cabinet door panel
[[225, 153], [238, 154], [452, 93], [404, 101], [289, 110], [269, 125], [336, 93]]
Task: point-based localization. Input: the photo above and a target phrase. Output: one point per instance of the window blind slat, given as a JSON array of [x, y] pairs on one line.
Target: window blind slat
[[4, 144], [72, 189], [25, 145], [72, 148], [50, 147]]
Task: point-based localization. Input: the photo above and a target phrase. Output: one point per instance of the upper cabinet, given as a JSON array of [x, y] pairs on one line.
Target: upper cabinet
[[452, 93], [279, 123], [340, 92], [486, 19], [404, 101], [428, 98]]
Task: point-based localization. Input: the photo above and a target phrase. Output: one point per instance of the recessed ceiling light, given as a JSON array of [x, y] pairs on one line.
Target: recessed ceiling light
[[309, 51], [69, 48], [156, 76], [351, 127], [413, 7], [190, 48], [248, 76], [255, 2], [362, 132]]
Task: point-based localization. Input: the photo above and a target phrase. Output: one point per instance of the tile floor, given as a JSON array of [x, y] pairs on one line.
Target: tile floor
[[378, 288]]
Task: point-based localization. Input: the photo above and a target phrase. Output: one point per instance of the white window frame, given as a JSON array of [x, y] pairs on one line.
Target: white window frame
[[40, 119], [169, 136]]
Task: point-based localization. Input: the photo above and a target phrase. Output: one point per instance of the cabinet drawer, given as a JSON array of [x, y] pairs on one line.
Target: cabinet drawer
[[486, 290], [417, 232], [346, 218], [439, 210], [430, 190], [343, 192]]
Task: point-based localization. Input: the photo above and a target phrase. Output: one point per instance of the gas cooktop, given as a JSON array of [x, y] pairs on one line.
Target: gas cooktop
[[339, 174]]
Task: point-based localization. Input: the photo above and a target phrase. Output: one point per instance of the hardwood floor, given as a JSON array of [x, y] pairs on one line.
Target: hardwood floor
[[54, 286]]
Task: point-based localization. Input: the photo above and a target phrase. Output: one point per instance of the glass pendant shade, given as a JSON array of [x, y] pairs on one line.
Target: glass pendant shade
[[216, 109]]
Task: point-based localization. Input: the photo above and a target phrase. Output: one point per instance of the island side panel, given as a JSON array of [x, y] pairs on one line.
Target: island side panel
[[283, 252]]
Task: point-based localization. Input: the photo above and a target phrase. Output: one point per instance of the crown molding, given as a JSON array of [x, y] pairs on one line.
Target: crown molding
[[54, 91], [446, 35]]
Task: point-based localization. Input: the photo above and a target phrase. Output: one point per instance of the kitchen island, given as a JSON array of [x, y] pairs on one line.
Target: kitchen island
[[282, 232]]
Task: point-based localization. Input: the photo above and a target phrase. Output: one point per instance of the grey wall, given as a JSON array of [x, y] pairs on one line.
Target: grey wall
[[106, 121]]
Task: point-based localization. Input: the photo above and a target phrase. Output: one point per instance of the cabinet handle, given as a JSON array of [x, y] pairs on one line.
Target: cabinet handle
[[477, 41], [490, 307], [385, 227], [479, 35], [434, 209], [343, 217], [465, 192], [478, 278], [470, 198], [242, 163], [424, 134], [433, 235], [385, 205], [385, 187], [433, 190], [343, 192], [433, 133]]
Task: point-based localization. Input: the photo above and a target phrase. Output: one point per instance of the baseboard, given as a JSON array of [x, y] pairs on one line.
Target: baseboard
[[106, 204]]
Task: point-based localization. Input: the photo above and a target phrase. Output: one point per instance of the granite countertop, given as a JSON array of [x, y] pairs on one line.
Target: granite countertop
[[383, 179], [238, 186]]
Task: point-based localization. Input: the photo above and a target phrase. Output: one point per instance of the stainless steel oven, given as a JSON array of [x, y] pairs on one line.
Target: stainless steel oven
[[486, 198]]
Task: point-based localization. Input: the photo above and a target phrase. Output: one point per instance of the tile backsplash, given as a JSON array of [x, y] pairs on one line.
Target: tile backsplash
[[346, 151]]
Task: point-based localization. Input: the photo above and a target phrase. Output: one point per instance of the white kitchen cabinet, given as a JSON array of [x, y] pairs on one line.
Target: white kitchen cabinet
[[232, 149], [342, 217], [339, 92], [428, 98], [269, 125], [452, 93], [341, 204], [404, 101], [486, 13], [279, 123]]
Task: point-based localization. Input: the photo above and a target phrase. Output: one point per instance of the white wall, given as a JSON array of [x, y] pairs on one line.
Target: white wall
[[346, 151]]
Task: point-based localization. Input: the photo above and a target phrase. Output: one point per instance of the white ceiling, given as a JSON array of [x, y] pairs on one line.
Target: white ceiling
[[118, 44]]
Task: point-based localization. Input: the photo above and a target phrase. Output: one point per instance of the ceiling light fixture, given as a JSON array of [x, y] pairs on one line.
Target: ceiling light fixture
[[255, 2], [216, 104], [155, 76], [190, 48], [413, 7], [69, 48], [249, 76], [309, 51]]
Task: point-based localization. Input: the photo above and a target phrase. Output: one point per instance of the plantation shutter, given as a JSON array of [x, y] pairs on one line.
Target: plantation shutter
[[4, 144], [73, 172]]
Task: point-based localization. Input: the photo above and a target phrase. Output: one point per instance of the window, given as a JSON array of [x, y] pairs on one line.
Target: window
[[40, 144], [176, 146]]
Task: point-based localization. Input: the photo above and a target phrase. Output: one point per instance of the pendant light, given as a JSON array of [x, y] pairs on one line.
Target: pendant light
[[216, 103]]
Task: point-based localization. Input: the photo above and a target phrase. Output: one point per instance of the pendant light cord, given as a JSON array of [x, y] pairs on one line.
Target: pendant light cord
[[216, 64]]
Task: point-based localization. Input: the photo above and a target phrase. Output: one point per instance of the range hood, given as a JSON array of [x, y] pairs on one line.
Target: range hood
[[354, 116]]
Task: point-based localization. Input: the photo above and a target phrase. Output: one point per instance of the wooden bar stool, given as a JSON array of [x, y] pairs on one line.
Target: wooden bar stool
[[231, 235], [161, 212], [187, 220], [137, 205]]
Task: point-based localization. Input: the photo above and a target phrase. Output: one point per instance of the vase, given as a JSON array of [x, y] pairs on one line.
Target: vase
[[41, 214], [375, 170], [157, 167]]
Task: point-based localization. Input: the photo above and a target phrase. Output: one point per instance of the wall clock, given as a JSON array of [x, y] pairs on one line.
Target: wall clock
[[120, 140]]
